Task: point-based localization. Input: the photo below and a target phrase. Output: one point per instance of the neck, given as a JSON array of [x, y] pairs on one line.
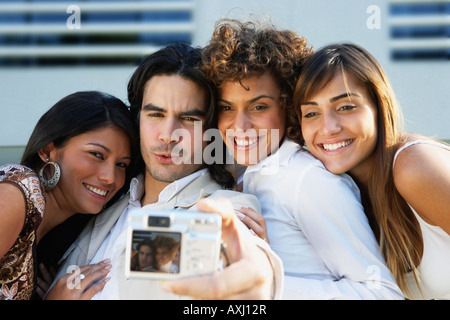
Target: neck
[[361, 178], [362, 174], [153, 188], [54, 215]]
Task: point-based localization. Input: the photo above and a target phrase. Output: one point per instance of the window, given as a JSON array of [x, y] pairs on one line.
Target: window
[[34, 32], [420, 29]]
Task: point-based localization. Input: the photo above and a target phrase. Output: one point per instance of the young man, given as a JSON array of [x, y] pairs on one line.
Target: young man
[[168, 94]]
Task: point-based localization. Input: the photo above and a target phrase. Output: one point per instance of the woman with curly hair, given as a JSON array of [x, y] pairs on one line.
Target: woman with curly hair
[[315, 220]]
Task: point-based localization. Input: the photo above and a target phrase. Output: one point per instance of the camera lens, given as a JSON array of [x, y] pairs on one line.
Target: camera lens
[[159, 221]]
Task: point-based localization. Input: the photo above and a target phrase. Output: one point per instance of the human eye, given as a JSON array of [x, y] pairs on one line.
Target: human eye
[[309, 115], [97, 154], [260, 107], [155, 115], [223, 108], [309, 111], [347, 107], [122, 165], [191, 119]]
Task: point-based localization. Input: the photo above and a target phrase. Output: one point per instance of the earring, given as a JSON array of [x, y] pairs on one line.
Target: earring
[[51, 183]]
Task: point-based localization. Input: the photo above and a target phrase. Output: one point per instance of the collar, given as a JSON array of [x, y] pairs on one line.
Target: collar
[[137, 188], [280, 158]]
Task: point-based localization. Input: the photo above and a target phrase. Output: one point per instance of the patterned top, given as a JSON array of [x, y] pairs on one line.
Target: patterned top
[[17, 266]]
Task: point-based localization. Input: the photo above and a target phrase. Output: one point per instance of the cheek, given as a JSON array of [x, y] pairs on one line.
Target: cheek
[[223, 130], [307, 133], [121, 176], [146, 134], [224, 123], [369, 127], [279, 125]]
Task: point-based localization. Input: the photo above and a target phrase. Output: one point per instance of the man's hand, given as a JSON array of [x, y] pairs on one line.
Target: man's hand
[[249, 275]]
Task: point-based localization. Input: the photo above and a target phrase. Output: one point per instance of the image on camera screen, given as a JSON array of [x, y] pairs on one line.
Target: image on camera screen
[[155, 251]]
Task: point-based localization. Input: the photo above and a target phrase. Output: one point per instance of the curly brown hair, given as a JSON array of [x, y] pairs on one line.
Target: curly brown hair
[[240, 50]]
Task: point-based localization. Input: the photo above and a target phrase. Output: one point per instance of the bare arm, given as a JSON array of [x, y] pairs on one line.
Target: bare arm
[[12, 215], [422, 177]]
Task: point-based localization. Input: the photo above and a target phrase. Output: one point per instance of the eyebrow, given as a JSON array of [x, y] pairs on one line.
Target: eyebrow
[[105, 148], [152, 107], [344, 95], [100, 145], [192, 112], [334, 99], [251, 100]]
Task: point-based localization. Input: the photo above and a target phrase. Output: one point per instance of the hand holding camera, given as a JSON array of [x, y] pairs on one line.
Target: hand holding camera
[[250, 274]]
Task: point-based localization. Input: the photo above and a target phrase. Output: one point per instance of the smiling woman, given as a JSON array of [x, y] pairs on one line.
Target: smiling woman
[[85, 150], [352, 123], [339, 124]]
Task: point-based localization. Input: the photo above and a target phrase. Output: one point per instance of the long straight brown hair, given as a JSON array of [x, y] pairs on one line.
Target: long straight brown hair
[[391, 218]]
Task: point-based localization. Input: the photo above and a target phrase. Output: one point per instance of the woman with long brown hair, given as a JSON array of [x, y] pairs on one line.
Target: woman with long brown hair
[[350, 120]]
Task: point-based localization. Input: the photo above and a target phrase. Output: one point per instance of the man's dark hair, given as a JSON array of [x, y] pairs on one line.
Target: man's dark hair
[[185, 61]]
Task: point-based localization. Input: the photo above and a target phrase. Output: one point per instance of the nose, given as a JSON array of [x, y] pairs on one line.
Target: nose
[[330, 124], [107, 174], [168, 133], [242, 121]]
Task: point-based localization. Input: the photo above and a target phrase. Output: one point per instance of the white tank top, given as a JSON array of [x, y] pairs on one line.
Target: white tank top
[[434, 268]]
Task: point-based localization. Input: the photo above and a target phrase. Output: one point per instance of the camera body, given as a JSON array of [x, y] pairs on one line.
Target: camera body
[[156, 237]]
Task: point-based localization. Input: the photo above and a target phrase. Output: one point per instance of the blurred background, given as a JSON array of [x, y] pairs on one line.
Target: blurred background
[[49, 49]]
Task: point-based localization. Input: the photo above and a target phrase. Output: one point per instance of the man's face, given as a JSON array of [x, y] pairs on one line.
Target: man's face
[[171, 108]]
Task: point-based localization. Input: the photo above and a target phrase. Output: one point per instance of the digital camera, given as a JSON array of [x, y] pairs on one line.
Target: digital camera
[[167, 244]]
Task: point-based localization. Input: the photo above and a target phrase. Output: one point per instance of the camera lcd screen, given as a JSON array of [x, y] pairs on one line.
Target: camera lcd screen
[[155, 251]]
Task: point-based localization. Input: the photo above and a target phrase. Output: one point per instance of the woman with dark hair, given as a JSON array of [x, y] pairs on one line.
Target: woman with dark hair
[[350, 120], [79, 158]]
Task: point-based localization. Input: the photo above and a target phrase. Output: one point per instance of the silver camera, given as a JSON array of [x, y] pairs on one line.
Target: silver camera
[[170, 244]]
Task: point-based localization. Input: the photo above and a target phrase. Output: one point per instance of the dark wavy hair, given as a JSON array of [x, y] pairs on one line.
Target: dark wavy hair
[[78, 113], [240, 50], [185, 61]]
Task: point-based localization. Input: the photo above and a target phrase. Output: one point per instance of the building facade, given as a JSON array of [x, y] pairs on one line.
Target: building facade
[[49, 49]]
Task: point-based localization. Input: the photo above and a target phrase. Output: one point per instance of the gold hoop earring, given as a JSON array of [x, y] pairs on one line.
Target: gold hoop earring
[[53, 181]]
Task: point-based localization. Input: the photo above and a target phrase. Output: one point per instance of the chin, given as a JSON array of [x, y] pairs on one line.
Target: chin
[[335, 169]]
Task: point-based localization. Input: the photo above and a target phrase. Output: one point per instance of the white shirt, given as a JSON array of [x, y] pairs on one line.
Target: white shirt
[[114, 244], [316, 224]]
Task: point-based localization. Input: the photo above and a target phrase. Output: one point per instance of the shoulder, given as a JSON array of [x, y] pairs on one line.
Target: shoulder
[[311, 171], [420, 162], [422, 177], [27, 181], [15, 172], [18, 174], [238, 199]]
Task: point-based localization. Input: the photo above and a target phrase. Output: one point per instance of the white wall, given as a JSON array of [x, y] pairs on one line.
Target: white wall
[[26, 93], [421, 87]]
